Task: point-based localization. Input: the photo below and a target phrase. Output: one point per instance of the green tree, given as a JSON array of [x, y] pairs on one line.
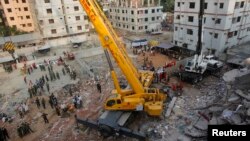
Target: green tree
[[168, 5], [8, 31]]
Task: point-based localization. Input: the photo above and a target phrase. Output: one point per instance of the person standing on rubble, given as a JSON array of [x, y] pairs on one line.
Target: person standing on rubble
[[47, 85], [44, 115], [99, 88], [43, 103], [57, 75], [38, 103], [63, 71]]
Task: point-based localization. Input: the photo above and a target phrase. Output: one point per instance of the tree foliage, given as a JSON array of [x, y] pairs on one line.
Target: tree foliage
[[9, 31], [168, 5]]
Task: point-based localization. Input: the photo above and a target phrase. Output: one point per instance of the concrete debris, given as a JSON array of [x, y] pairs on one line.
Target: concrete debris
[[170, 107], [233, 98], [246, 103], [201, 124], [195, 133], [240, 93], [183, 138], [248, 112]]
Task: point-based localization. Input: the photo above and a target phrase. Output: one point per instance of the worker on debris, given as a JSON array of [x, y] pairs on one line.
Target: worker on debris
[[43, 103], [98, 85], [44, 115], [47, 85], [57, 75], [46, 77], [58, 111], [38, 102], [25, 79], [63, 71], [4, 135], [51, 103]]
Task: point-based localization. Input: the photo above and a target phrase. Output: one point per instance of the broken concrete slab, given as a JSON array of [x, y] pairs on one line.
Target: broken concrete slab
[[240, 93], [248, 112], [170, 107], [202, 124], [246, 103], [233, 98], [195, 133]]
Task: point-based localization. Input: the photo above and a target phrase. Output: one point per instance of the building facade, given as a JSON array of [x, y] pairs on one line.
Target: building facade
[[136, 15], [17, 13], [226, 24], [63, 20]]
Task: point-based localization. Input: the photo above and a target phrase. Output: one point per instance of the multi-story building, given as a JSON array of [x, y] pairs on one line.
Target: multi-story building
[[16, 13], [136, 15], [63, 20], [226, 23]]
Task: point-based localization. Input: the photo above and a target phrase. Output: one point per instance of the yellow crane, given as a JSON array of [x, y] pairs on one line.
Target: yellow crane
[[139, 97]]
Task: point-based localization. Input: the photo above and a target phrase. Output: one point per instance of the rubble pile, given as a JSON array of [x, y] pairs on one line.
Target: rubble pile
[[227, 102]]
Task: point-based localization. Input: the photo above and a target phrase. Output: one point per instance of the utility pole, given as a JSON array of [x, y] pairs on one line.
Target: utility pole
[[200, 17]]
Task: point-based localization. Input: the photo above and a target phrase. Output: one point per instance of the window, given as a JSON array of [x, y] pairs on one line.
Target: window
[[146, 27], [23, 25], [189, 31], [190, 18], [205, 5], [238, 19], [146, 11], [12, 18], [49, 11], [51, 21], [77, 18], [178, 17], [221, 5], [242, 4], [132, 12], [53, 31], [230, 34], [19, 9], [158, 10], [132, 20], [205, 19], [176, 28], [237, 4], [110, 103], [122, 11], [215, 35], [25, 8], [76, 8], [235, 33], [192, 5], [85, 17], [6, 2], [110, 10], [16, 1], [118, 101], [153, 18], [9, 10], [79, 27], [234, 20], [178, 4], [248, 29], [153, 10], [217, 21], [29, 25], [46, 1], [123, 18], [133, 28], [86, 26], [27, 17], [23, 1]]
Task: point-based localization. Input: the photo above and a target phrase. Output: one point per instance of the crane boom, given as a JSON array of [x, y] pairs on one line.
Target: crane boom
[[109, 40]]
